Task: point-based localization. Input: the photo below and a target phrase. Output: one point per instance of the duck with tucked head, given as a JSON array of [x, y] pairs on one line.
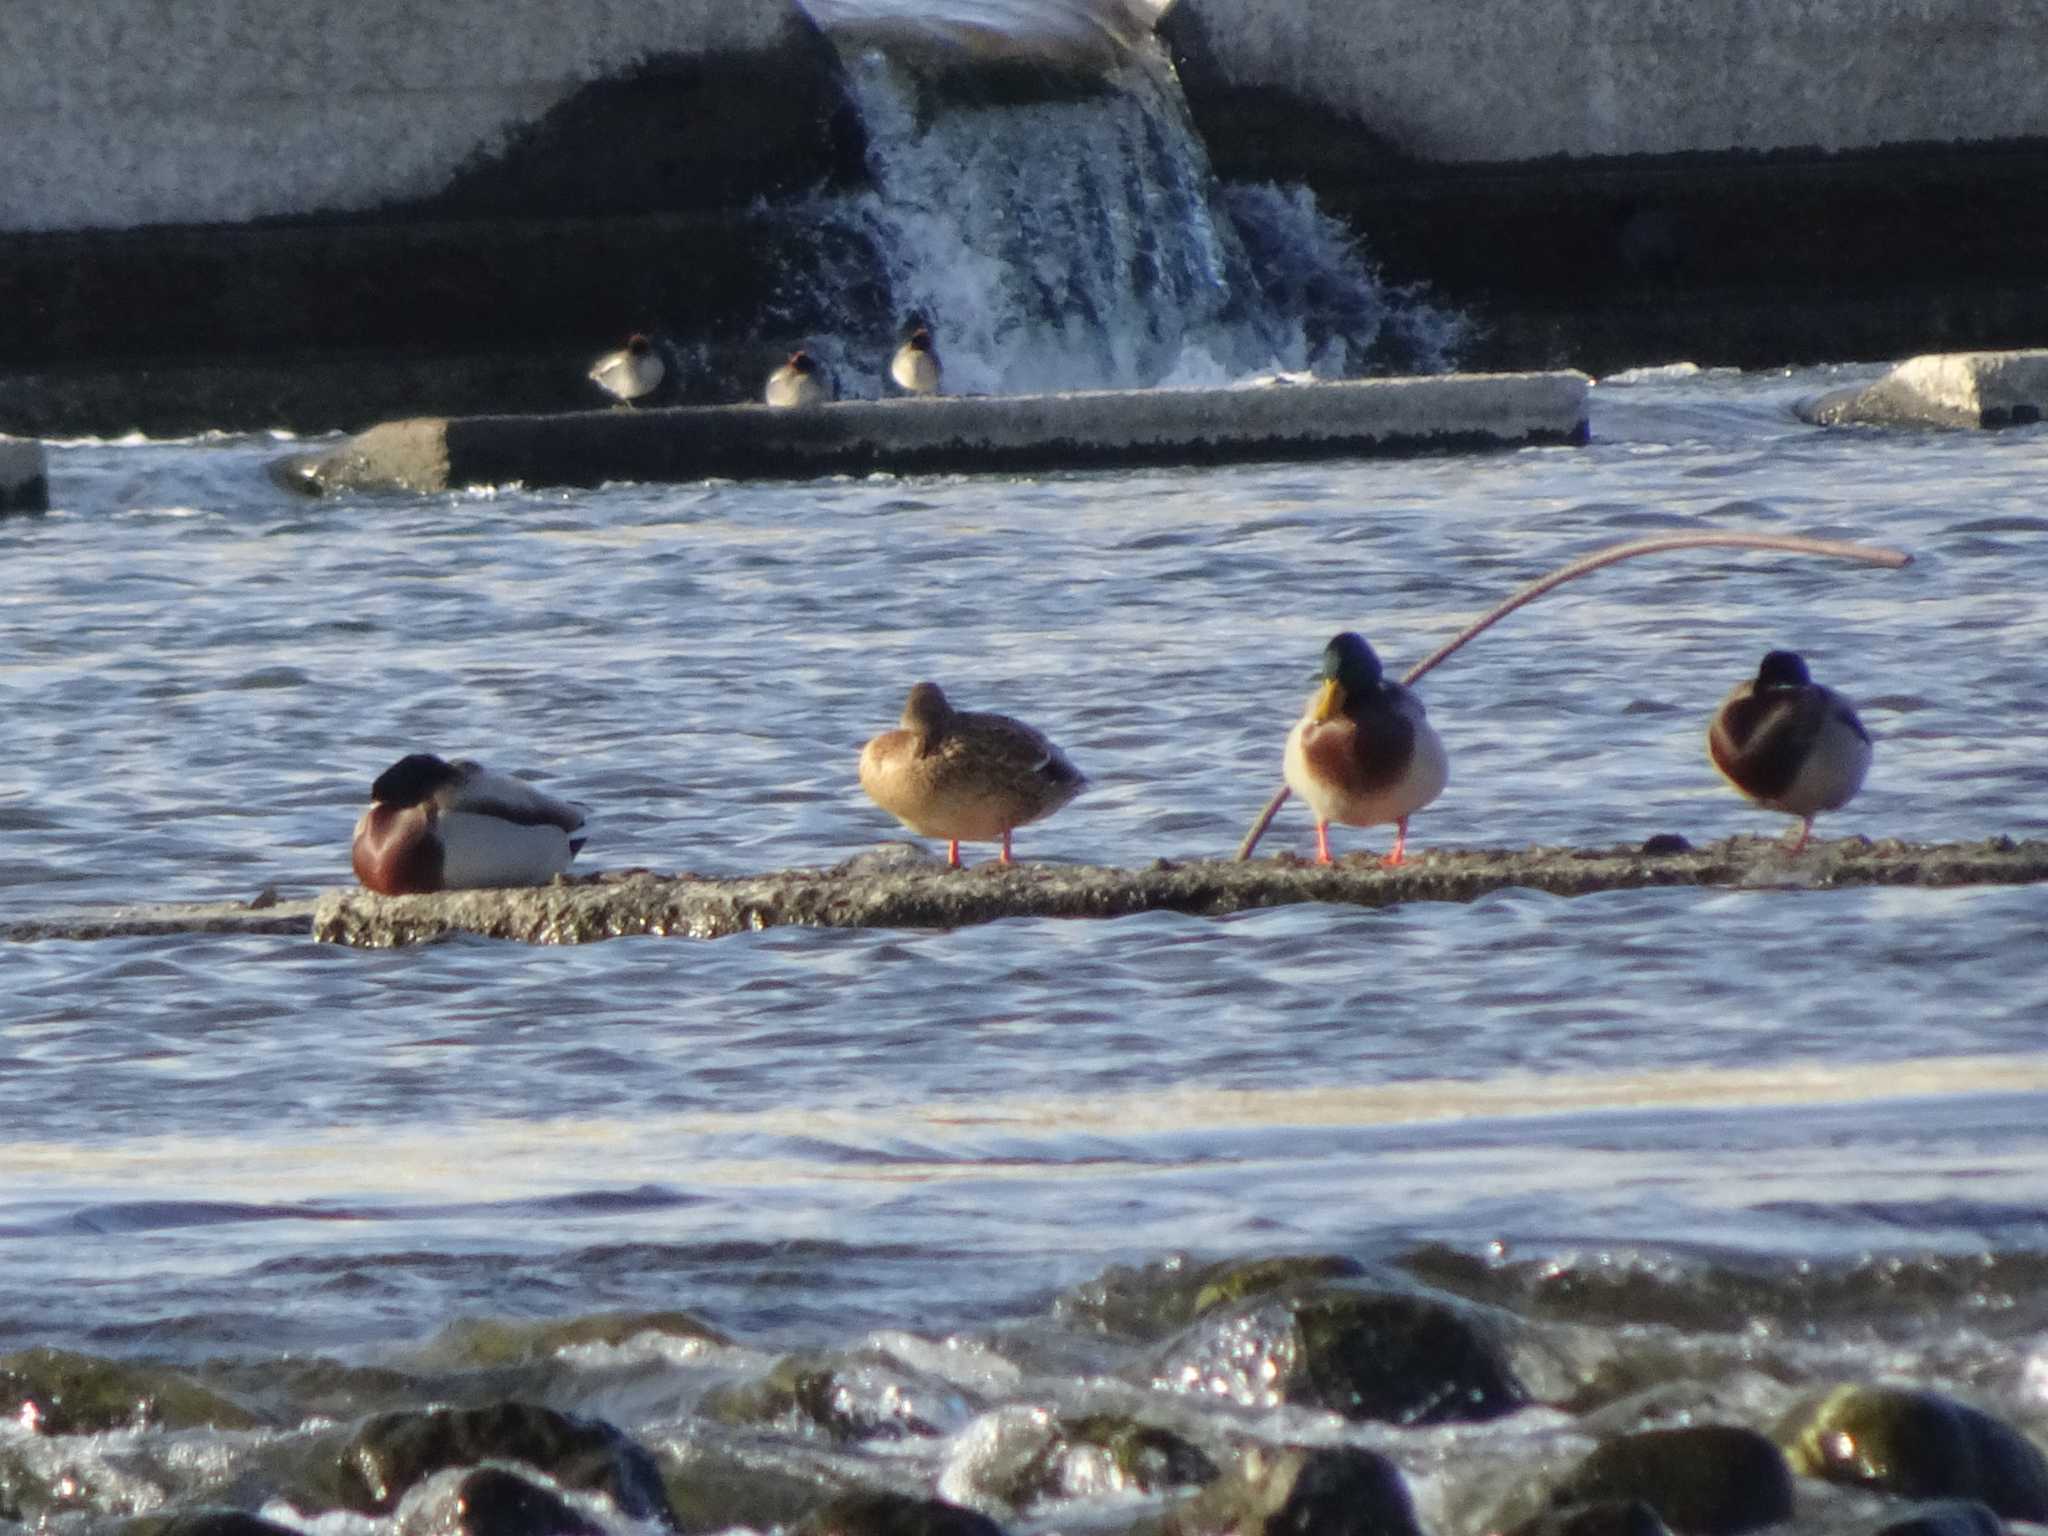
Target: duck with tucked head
[[631, 373], [964, 776], [798, 382], [1790, 744], [915, 367], [1363, 752], [434, 825]]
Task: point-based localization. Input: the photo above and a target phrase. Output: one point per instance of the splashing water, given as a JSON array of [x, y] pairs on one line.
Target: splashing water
[[1081, 241]]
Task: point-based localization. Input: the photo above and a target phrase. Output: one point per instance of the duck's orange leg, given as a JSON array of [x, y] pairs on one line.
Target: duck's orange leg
[[1006, 845], [953, 853], [1323, 843], [1805, 831], [1399, 854]]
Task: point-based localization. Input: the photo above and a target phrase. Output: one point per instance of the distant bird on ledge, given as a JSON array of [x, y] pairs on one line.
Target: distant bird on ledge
[[631, 373]]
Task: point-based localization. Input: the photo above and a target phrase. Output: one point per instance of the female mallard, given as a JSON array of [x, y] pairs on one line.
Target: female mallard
[[1790, 744], [633, 371], [1363, 752], [441, 826], [798, 382], [962, 776], [915, 367]]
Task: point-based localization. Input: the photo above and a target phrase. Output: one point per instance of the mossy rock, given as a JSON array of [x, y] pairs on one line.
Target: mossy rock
[[1919, 1445], [1330, 1490], [1702, 1480], [1602, 1517], [1153, 1301], [877, 1513], [494, 1502], [488, 1342], [713, 1488], [66, 1393], [1396, 1357], [391, 1452]]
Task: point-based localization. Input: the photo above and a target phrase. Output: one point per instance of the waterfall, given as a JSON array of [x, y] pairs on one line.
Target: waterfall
[[1074, 236]]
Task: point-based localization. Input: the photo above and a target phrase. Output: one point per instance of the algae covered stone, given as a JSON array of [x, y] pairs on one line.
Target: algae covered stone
[[1390, 1356], [391, 1452], [1330, 1490], [61, 1392], [1920, 1445], [1701, 1480], [1151, 1301]]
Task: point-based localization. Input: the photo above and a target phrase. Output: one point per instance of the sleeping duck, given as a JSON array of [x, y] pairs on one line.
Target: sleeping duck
[[1790, 744], [631, 373], [1363, 752], [434, 825], [915, 367], [964, 776]]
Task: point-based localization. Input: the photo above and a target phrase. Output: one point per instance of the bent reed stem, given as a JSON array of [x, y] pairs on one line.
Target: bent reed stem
[[1869, 554]]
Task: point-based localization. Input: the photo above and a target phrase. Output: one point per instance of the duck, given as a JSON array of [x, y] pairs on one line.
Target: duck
[[915, 367], [965, 776], [1790, 744], [631, 373], [435, 825], [798, 382], [1363, 752]]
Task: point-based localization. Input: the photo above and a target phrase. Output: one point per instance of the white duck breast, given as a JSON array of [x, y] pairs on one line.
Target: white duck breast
[[1336, 796], [498, 830]]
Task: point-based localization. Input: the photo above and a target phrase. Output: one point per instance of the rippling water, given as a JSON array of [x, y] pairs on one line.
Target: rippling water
[[248, 1147]]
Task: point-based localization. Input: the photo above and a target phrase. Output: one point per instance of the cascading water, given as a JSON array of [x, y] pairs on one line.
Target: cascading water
[[1079, 239]]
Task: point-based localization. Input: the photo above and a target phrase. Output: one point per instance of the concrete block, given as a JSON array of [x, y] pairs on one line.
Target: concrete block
[[1943, 389], [24, 476], [1007, 434]]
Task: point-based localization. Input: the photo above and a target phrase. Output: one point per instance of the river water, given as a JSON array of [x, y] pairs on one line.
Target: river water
[[1799, 1134]]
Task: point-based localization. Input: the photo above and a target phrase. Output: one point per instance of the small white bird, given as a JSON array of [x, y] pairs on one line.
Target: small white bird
[[434, 825], [915, 367], [631, 373], [1789, 744], [798, 382]]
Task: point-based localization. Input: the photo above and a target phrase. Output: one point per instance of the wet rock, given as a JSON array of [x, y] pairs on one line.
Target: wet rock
[[60, 1392], [294, 918], [894, 1514], [1943, 389], [1327, 1490], [714, 1487], [1919, 1445], [600, 907], [849, 1400], [493, 1502], [1602, 1517], [1152, 1301], [494, 1342], [24, 475], [390, 1453], [1941, 1517], [1398, 1357], [1020, 1456], [211, 1522], [1701, 1480]]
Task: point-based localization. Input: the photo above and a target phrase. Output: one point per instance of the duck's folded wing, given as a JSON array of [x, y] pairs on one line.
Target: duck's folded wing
[[485, 793]]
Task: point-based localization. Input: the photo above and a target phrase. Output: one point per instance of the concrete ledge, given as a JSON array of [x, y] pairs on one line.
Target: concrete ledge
[[995, 433], [272, 917], [1943, 389], [24, 476], [877, 892]]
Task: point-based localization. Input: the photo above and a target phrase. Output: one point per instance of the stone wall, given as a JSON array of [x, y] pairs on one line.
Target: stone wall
[[134, 112]]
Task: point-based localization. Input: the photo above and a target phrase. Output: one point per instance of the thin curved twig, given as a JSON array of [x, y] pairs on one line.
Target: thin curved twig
[[1870, 554]]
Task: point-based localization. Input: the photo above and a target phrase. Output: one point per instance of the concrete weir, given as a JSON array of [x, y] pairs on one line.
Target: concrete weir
[[919, 892], [1943, 389], [1009, 433]]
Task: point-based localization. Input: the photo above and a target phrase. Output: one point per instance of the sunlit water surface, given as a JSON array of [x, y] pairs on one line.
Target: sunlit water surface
[[253, 1146]]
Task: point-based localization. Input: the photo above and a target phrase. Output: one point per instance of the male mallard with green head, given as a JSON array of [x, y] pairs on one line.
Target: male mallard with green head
[[964, 776], [1363, 752], [1789, 744]]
